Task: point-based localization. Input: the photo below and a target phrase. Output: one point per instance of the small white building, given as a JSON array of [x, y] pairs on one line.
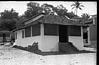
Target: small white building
[[49, 31], [90, 32]]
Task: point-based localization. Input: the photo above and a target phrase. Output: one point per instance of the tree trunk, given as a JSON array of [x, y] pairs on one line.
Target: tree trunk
[[76, 11]]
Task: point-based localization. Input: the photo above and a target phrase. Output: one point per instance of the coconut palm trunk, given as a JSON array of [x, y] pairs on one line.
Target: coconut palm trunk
[[76, 11]]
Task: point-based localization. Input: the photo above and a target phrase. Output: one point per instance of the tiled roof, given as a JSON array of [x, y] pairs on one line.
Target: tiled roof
[[33, 17], [4, 31], [52, 19]]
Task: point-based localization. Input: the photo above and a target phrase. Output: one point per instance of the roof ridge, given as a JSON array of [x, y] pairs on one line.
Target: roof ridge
[[34, 17]]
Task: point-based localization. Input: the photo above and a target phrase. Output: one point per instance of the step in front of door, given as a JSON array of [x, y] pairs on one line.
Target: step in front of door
[[67, 47]]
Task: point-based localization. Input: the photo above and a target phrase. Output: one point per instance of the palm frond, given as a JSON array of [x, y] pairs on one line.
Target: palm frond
[[80, 8], [82, 5], [73, 5]]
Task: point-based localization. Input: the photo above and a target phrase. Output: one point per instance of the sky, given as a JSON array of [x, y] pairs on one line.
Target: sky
[[90, 7]]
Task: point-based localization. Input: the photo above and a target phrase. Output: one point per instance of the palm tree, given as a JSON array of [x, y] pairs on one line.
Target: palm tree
[[77, 5]]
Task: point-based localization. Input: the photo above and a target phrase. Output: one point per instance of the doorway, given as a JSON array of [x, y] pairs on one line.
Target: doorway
[[63, 33], [4, 37], [85, 36]]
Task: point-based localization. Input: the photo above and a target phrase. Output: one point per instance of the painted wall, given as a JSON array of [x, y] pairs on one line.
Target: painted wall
[[93, 33], [26, 41], [77, 38], [93, 36], [46, 42], [50, 43], [77, 41]]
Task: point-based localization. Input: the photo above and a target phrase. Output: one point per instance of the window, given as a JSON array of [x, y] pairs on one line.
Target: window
[[50, 29], [28, 32], [36, 30], [1, 35], [7, 34], [74, 31]]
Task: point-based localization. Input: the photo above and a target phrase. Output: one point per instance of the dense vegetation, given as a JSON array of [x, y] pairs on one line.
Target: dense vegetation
[[9, 19]]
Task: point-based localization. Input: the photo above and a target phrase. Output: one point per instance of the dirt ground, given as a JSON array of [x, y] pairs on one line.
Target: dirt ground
[[13, 56]]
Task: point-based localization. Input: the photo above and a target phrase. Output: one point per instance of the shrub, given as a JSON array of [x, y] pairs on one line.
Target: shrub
[[31, 48]]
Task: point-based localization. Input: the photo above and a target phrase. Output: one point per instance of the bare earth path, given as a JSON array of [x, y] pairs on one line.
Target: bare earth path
[[12, 56]]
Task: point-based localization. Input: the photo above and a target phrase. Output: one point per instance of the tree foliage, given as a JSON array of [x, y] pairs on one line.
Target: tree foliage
[[34, 9], [8, 19], [60, 10], [85, 17], [47, 8], [22, 18]]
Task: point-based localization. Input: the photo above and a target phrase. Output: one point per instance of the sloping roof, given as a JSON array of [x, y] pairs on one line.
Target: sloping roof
[[51, 19], [4, 31], [90, 21], [33, 17], [54, 19]]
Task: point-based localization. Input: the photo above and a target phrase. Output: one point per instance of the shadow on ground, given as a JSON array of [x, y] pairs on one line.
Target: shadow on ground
[[37, 51]]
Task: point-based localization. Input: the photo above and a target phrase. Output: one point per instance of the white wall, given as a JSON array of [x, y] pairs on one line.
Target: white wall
[[47, 43], [27, 40], [77, 41], [50, 43], [93, 44]]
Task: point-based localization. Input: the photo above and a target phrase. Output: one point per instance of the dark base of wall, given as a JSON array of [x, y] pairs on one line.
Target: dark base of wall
[[67, 47], [34, 49], [92, 45]]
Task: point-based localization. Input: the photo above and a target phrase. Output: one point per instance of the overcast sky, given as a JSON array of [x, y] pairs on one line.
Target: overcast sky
[[21, 6]]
